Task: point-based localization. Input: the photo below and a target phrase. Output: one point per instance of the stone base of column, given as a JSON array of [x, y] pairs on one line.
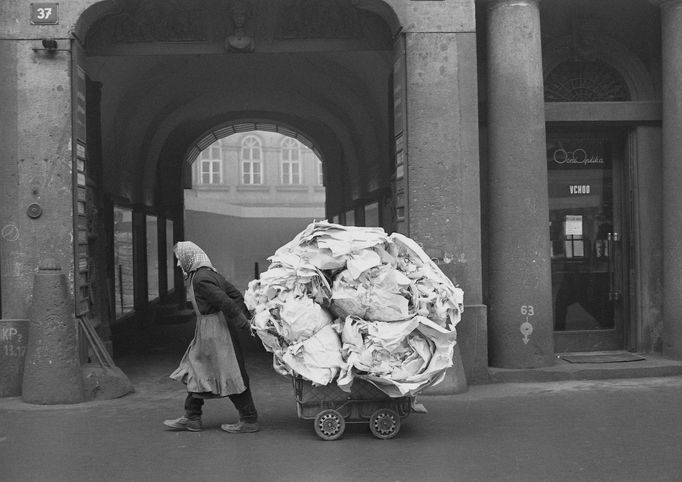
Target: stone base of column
[[105, 383], [472, 338], [455, 380], [470, 361], [52, 373]]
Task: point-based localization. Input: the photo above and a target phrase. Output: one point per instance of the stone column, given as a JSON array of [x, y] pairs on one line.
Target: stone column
[[442, 174], [520, 285], [671, 30], [36, 196]]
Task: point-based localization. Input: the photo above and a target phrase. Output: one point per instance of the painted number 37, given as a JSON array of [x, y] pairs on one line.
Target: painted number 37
[[44, 13]]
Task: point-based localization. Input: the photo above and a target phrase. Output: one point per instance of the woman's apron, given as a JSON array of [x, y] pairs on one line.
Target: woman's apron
[[210, 365]]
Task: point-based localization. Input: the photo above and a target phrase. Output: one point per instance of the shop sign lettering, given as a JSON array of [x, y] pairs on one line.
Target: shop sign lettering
[[579, 189], [577, 156]]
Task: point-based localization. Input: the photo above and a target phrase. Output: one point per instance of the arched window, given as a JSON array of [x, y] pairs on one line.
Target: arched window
[[290, 158], [211, 165], [585, 81], [252, 161]]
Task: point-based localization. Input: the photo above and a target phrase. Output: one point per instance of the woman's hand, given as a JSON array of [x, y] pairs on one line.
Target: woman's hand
[[240, 321]]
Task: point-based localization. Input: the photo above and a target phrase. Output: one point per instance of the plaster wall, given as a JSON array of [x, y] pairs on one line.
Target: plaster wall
[[37, 159], [15, 20], [10, 270]]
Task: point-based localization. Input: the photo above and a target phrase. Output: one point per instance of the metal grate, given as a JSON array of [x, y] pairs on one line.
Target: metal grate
[[585, 82]]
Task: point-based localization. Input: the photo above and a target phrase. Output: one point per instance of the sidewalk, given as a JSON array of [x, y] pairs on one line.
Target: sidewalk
[[653, 365], [148, 354], [158, 348]]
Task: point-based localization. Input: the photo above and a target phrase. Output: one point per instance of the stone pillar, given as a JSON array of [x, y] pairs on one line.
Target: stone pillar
[[671, 30], [520, 288], [36, 196], [442, 174]]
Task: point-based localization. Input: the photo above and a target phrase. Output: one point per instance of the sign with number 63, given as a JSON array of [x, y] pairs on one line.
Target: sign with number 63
[[45, 13]]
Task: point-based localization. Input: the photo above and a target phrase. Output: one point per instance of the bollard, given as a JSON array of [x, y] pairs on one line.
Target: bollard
[[52, 371], [13, 340]]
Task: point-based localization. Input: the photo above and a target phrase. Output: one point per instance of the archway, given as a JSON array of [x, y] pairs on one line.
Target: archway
[[165, 74]]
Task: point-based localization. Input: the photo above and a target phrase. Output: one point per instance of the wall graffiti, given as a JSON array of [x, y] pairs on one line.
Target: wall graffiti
[[10, 232]]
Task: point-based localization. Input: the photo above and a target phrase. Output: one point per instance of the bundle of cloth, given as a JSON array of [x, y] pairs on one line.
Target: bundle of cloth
[[339, 303]]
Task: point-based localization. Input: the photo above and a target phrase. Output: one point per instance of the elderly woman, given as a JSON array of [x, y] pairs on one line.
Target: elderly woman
[[213, 365]]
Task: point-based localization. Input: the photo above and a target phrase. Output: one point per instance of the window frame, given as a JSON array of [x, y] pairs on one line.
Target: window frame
[[320, 171], [254, 146], [290, 148], [215, 165]]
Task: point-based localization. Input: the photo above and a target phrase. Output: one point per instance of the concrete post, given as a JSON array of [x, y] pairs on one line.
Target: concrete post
[[520, 289], [52, 371], [671, 31]]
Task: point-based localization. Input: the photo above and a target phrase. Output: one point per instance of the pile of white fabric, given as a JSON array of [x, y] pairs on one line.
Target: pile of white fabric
[[342, 302]]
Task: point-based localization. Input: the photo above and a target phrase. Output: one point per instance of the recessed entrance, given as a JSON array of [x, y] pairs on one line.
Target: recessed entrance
[[157, 83], [587, 227]]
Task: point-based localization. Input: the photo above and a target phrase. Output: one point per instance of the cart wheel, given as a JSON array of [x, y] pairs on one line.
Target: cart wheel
[[329, 424], [384, 423]]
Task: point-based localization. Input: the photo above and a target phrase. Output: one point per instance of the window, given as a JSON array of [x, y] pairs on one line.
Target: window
[[350, 218], [585, 82], [123, 260], [320, 173], [211, 165], [170, 260], [152, 258], [252, 161], [372, 214], [291, 162]]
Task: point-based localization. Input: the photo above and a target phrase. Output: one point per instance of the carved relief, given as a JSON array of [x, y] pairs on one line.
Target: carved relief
[[160, 21], [240, 40], [322, 19]]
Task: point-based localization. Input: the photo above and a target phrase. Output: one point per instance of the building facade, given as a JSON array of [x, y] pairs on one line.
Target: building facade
[[529, 146], [252, 193]]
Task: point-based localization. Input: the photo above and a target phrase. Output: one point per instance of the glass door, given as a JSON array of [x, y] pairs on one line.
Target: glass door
[[585, 171]]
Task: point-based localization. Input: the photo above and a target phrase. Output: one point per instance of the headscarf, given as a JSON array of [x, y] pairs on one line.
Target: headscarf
[[191, 257]]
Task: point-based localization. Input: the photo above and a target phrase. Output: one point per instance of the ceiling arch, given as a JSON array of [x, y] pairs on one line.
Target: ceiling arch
[[148, 109], [160, 96], [230, 128]]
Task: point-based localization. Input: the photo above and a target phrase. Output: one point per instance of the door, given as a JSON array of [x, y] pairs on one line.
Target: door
[[586, 208], [399, 190]]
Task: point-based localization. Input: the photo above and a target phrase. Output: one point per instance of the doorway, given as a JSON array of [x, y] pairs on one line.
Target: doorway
[[587, 186]]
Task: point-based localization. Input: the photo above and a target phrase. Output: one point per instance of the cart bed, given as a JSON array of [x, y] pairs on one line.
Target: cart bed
[[332, 408]]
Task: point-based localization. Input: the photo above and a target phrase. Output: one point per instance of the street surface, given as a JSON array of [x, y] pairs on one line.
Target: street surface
[[618, 430]]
